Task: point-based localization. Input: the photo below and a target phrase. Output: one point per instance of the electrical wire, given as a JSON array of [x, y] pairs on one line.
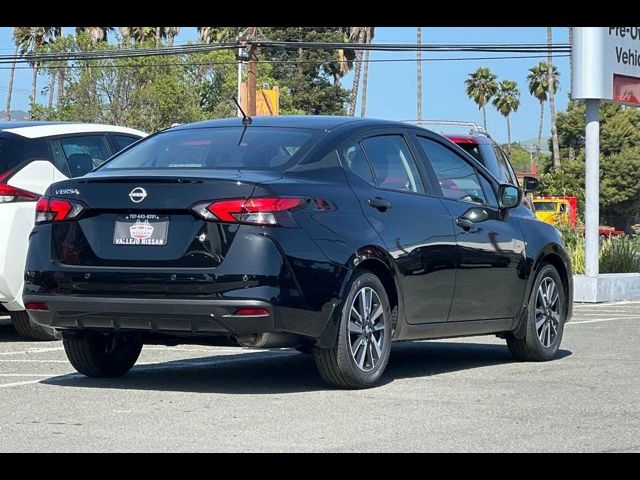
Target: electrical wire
[[204, 64], [119, 52]]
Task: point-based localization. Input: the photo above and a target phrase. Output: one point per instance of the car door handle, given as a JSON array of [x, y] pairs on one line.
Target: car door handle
[[466, 225], [380, 204]]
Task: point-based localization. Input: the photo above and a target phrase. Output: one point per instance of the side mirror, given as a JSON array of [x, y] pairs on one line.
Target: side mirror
[[530, 184], [510, 196]]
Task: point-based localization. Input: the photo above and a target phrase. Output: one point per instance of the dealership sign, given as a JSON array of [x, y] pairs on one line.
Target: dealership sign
[[606, 64]]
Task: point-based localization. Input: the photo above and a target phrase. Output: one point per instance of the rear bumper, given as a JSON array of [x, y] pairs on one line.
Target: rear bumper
[[179, 316]]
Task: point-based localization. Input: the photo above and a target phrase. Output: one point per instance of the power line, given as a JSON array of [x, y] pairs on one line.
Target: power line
[[204, 48], [204, 64]]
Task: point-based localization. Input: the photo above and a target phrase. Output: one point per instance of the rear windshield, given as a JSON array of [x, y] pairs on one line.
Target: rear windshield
[[15, 150], [252, 148], [545, 206]]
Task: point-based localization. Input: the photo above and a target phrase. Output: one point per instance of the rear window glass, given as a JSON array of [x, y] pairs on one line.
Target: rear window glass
[[545, 206], [15, 150], [251, 148]]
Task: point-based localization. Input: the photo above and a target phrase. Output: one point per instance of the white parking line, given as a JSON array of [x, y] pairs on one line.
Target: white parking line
[[597, 320], [18, 384], [32, 361], [35, 350], [25, 374]]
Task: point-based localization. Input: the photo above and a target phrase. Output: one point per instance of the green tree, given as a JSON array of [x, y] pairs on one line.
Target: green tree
[[311, 80], [539, 87], [619, 161], [507, 101], [480, 87]]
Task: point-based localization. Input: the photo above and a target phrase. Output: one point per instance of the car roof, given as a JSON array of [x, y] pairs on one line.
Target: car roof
[[50, 129], [462, 138], [323, 122]]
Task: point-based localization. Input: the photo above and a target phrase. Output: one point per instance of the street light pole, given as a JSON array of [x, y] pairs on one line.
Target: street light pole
[[592, 188]]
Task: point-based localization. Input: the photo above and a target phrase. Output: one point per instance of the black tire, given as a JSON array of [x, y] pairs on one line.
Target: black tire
[[337, 365], [105, 356], [29, 330], [530, 348]]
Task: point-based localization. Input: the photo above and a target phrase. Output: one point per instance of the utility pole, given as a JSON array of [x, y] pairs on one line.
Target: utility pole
[[251, 74]]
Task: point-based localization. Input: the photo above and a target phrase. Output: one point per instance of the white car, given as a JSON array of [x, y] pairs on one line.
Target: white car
[[33, 155]]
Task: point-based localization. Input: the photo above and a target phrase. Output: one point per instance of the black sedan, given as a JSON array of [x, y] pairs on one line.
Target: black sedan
[[333, 235]]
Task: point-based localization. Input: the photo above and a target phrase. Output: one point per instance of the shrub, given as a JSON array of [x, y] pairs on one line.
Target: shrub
[[620, 255]]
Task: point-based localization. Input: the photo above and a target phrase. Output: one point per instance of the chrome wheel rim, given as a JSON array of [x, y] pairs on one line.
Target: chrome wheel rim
[[366, 329], [547, 312]]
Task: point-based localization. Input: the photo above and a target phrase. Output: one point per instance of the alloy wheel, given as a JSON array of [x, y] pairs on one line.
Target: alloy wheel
[[366, 329], [547, 312]]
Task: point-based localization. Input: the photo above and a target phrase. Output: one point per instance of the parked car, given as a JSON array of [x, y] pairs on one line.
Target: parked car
[[335, 235], [33, 155]]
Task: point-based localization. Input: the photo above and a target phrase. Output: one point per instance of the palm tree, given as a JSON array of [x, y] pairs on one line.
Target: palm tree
[[171, 33], [419, 69], [507, 101], [7, 109], [365, 72], [539, 87], [481, 86], [96, 34], [138, 34], [218, 34], [552, 106], [358, 35], [30, 39]]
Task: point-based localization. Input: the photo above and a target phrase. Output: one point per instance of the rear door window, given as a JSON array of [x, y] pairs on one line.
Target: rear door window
[[393, 164], [355, 160]]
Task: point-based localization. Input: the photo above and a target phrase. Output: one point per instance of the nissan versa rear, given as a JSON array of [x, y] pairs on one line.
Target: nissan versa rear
[[332, 235]]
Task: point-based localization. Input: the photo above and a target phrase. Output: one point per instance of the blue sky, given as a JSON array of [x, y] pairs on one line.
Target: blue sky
[[392, 86]]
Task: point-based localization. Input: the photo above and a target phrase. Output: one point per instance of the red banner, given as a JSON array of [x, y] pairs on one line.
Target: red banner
[[626, 89]]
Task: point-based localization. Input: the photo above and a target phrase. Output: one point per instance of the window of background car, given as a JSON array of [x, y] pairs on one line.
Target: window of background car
[[393, 163], [84, 152], [123, 141], [473, 149], [506, 172], [458, 179], [355, 160], [59, 158], [252, 148]]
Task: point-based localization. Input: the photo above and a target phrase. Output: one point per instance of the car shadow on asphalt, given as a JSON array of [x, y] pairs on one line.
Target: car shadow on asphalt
[[9, 334], [288, 371]]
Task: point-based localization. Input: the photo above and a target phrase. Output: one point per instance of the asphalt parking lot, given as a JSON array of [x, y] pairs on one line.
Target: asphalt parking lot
[[449, 395]]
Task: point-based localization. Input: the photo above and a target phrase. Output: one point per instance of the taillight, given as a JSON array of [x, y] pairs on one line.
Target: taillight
[[256, 211], [38, 306], [9, 193], [56, 210], [252, 312]]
